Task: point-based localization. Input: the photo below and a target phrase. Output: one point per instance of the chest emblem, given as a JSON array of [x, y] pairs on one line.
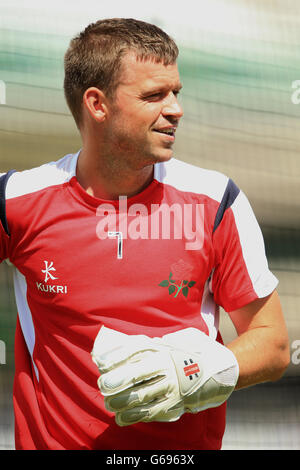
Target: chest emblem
[[49, 276], [179, 280]]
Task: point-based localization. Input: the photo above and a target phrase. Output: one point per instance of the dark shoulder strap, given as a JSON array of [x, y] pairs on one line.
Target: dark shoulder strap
[[229, 196], [3, 182]]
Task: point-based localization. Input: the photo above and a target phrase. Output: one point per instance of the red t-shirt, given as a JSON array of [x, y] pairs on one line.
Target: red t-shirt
[[151, 264]]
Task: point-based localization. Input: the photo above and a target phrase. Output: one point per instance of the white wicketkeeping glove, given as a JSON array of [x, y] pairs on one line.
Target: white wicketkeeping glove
[[159, 379]]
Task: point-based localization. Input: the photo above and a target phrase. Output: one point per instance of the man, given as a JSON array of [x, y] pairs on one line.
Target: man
[[125, 252]]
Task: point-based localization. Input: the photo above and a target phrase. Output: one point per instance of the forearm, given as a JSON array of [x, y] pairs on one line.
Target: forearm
[[262, 355]]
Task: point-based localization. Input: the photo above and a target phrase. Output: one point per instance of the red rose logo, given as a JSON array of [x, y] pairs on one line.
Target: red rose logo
[[179, 279]]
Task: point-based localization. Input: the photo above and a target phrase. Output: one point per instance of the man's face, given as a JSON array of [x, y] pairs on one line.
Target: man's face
[[144, 112]]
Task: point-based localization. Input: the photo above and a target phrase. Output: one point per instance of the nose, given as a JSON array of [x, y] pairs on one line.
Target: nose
[[171, 107]]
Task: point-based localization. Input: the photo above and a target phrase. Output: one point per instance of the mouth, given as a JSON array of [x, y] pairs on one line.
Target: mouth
[[167, 131]]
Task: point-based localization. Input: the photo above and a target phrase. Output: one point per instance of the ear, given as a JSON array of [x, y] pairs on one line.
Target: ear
[[95, 103]]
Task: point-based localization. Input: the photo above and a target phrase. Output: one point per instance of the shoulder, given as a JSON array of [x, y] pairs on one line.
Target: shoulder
[[190, 178], [210, 184], [50, 174]]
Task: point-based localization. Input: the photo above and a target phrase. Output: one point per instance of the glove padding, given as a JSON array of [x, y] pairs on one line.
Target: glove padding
[[159, 379]]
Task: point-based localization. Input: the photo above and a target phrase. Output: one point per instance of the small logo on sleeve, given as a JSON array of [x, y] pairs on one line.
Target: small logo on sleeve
[[49, 275]]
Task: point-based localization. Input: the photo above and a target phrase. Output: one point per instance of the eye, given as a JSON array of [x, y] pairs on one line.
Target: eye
[[154, 96], [160, 95]]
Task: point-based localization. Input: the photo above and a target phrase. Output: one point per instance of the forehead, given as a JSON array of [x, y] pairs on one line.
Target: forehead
[[146, 73]]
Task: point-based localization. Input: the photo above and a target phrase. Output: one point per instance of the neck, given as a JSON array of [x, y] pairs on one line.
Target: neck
[[104, 180]]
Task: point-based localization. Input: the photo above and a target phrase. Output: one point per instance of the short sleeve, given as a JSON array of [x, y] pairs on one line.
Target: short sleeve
[[241, 273]]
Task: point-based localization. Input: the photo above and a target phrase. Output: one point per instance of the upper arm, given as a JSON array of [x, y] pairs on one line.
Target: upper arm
[[262, 344], [261, 313]]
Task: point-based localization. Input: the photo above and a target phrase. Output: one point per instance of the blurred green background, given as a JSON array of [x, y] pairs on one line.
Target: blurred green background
[[238, 62]]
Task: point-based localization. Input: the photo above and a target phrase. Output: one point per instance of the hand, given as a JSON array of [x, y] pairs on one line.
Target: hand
[[159, 379]]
